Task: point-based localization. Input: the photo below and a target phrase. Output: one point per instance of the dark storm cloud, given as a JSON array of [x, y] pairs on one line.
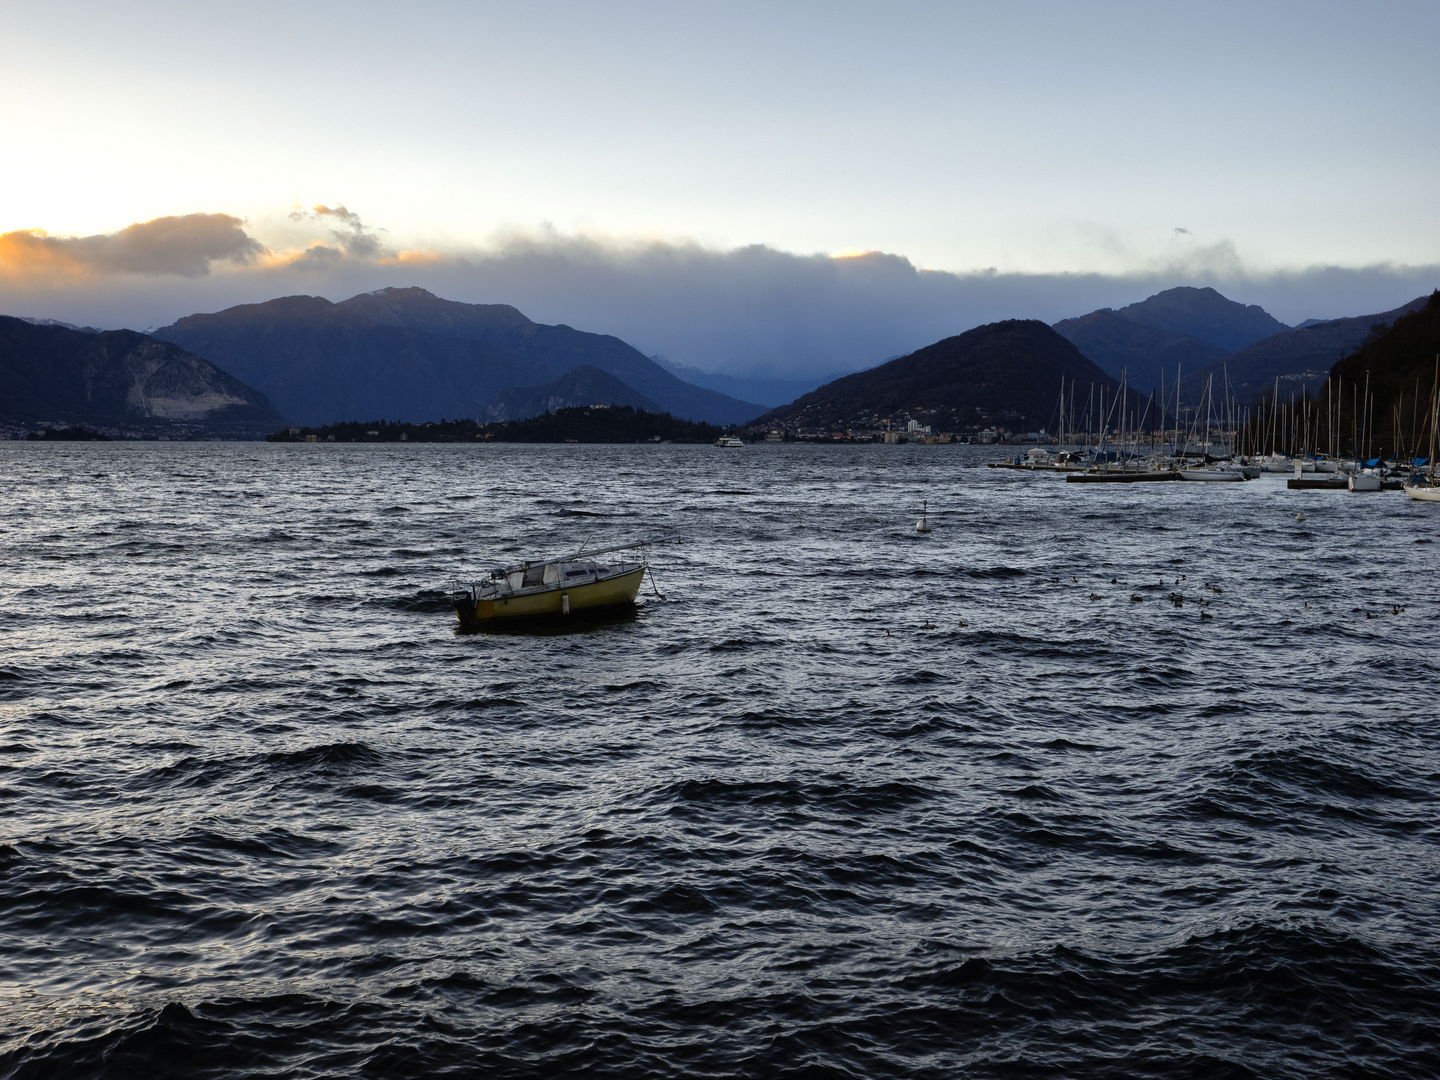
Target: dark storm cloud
[[749, 310], [758, 310]]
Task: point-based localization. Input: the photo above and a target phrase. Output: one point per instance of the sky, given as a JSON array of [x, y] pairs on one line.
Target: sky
[[760, 188]]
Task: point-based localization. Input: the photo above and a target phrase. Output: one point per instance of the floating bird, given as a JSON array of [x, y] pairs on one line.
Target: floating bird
[[1094, 597], [963, 623], [1206, 615], [1113, 581], [1136, 596]]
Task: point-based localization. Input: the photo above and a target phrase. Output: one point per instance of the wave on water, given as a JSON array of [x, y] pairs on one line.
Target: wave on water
[[830, 803]]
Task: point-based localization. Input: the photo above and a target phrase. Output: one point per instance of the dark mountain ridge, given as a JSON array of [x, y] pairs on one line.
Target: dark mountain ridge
[[1398, 364], [1149, 357], [411, 355], [580, 386], [1204, 314], [1182, 329], [1007, 372], [561, 347], [121, 379], [1302, 357], [321, 362]]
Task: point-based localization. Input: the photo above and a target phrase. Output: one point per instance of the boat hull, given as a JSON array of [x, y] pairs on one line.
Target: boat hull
[[1364, 482], [1423, 493], [1211, 475], [608, 592]]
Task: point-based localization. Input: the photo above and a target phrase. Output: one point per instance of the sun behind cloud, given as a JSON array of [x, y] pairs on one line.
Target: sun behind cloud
[[176, 246]]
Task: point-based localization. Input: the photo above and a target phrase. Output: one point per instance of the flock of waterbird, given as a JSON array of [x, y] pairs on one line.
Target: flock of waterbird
[[925, 526]]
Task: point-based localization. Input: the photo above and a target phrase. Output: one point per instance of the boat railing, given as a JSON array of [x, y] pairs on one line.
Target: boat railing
[[581, 553]]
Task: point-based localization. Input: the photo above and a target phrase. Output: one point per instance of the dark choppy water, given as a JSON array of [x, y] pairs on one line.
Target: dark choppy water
[[849, 802]]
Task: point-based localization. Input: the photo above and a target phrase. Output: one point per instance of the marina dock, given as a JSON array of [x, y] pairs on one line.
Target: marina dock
[[1121, 477]]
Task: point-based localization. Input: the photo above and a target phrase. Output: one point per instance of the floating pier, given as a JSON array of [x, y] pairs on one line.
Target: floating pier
[[1335, 483], [1121, 477]]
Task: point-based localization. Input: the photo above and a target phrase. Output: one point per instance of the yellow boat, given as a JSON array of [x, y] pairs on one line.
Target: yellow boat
[[549, 587]]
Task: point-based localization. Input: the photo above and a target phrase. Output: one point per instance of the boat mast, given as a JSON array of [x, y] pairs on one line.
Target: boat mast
[[1434, 411], [1364, 410], [1205, 447], [1177, 412]]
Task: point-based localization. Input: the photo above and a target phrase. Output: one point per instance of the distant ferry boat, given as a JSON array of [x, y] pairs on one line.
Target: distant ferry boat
[[728, 440]]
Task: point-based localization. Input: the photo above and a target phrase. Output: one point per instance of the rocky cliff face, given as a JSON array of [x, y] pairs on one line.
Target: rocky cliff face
[[121, 379]]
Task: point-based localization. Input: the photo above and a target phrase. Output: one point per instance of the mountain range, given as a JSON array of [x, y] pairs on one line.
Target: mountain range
[[406, 354], [1396, 366], [1182, 329], [1006, 373], [580, 384], [1303, 356], [1197, 332], [53, 373]]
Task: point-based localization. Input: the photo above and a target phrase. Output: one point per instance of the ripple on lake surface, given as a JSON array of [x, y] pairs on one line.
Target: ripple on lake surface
[[849, 801]]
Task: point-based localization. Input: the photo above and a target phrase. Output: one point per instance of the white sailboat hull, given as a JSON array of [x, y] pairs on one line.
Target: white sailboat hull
[[1210, 474], [1423, 493], [1364, 482]]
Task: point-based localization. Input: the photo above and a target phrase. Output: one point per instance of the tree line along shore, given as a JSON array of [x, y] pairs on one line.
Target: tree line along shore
[[579, 424]]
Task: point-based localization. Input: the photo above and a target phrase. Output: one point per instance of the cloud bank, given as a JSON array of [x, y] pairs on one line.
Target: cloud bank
[[180, 246], [751, 310]]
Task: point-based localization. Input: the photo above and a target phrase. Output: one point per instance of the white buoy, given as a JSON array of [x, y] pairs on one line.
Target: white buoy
[[923, 525], [1300, 516]]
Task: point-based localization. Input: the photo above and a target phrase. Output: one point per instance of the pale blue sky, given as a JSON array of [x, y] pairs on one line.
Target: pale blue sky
[[1025, 136]]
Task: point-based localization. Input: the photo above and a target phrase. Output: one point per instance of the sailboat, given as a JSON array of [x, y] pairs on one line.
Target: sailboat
[[547, 587], [1422, 487], [1363, 479], [1210, 472]]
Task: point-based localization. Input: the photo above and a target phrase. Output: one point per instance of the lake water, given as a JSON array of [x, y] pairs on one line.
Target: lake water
[[846, 802]]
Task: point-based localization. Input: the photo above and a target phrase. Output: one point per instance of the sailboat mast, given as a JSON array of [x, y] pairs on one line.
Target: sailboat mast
[[1434, 413], [1364, 409]]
